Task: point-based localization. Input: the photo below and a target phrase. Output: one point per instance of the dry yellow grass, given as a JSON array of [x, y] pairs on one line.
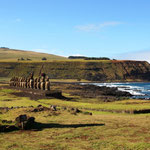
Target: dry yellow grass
[[13, 55]]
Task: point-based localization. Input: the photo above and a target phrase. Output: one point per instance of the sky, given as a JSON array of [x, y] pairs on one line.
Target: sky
[[118, 29]]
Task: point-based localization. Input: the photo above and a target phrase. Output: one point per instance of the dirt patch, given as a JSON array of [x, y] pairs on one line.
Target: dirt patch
[[30, 95], [147, 139], [134, 140]]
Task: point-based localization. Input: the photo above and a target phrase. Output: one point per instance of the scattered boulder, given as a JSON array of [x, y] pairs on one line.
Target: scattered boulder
[[39, 108], [25, 122], [64, 108], [53, 108], [74, 111], [87, 113]]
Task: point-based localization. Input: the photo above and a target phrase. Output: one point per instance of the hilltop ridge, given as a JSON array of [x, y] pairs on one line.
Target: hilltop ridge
[[15, 54]]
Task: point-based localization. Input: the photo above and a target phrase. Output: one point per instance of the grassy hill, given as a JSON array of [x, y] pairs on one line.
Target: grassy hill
[[57, 67], [7, 54], [87, 70]]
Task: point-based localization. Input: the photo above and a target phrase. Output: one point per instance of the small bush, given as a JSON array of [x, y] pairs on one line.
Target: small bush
[[44, 58]]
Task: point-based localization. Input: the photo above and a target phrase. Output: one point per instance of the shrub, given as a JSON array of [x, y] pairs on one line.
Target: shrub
[[44, 58]]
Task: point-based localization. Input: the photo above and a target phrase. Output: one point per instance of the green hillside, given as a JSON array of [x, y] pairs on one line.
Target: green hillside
[[7, 54], [57, 67], [89, 70]]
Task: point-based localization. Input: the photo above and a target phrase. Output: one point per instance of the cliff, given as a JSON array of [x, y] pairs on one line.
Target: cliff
[[108, 70]]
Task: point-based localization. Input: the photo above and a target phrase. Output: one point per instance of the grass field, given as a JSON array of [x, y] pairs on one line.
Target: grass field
[[65, 131]]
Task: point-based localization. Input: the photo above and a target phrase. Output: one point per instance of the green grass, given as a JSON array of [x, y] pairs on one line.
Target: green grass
[[91, 106], [9, 100], [114, 132]]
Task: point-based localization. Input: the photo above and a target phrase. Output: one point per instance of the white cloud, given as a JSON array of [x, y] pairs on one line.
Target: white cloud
[[137, 55], [113, 23], [97, 27], [88, 27], [17, 20]]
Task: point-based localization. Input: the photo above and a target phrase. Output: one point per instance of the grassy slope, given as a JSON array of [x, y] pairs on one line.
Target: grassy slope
[[62, 68], [113, 132], [14, 55], [88, 70]]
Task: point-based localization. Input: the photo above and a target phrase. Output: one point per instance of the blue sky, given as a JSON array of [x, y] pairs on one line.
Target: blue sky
[[101, 28]]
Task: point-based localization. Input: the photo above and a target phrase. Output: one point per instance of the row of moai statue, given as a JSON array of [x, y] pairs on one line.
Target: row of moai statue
[[41, 83]]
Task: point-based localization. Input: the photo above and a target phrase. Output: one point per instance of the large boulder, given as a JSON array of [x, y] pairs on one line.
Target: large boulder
[[25, 122]]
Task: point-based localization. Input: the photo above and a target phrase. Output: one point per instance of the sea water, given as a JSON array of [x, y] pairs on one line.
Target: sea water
[[139, 90]]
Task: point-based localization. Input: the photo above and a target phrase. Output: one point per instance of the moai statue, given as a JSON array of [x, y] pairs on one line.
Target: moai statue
[[47, 84], [17, 81], [42, 80], [42, 83], [31, 83], [24, 82], [14, 81], [38, 83], [31, 80], [11, 81], [21, 82], [28, 83], [25, 86], [35, 83]]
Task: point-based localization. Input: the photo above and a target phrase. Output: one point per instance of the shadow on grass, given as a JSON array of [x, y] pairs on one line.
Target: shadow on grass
[[40, 126], [63, 98], [37, 97]]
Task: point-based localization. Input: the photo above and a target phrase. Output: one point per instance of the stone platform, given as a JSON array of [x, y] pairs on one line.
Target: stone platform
[[35, 93]]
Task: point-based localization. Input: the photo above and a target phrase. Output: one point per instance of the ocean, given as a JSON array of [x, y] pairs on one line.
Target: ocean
[[139, 90]]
